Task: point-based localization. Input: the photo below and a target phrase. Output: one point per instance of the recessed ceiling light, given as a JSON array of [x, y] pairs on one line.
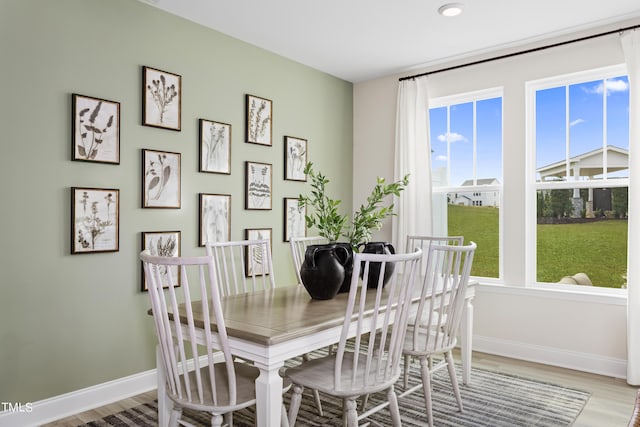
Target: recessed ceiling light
[[450, 9]]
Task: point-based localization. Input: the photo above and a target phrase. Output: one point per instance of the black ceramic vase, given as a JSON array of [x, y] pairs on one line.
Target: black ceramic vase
[[374, 267], [348, 267], [322, 271]]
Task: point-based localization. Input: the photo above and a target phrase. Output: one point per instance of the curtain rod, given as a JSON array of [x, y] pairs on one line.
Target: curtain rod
[[509, 55]]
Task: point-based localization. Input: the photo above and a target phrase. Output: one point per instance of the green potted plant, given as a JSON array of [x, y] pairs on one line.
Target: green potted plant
[[333, 225]]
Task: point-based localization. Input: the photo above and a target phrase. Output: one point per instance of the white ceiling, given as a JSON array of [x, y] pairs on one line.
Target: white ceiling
[[358, 40]]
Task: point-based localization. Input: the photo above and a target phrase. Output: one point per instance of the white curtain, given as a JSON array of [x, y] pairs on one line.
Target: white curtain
[[413, 157], [631, 46]]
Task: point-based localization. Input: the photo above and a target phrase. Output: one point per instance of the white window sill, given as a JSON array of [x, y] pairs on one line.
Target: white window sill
[[563, 292]]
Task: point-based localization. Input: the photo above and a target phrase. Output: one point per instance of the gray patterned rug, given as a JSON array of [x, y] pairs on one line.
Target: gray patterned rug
[[491, 400]]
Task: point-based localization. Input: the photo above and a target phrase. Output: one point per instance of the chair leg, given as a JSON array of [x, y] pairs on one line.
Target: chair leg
[[176, 414], [352, 413], [228, 419], [216, 420], [284, 420], [454, 379], [394, 409], [316, 393], [294, 406], [407, 366], [426, 386], [316, 397]]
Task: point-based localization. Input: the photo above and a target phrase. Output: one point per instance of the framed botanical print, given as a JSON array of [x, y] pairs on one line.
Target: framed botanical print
[[162, 243], [161, 99], [259, 120], [160, 179], [255, 264], [94, 220], [215, 147], [295, 158], [96, 129], [214, 218], [258, 180], [294, 219]]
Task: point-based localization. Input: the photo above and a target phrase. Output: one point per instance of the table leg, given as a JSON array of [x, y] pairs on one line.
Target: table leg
[[268, 396], [466, 338], [164, 403]]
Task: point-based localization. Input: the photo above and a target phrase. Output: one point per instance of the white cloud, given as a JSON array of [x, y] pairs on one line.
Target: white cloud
[[441, 158], [453, 137], [576, 122], [612, 86]]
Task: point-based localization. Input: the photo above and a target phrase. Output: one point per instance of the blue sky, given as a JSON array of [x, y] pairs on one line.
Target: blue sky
[[460, 140], [586, 104], [585, 124]]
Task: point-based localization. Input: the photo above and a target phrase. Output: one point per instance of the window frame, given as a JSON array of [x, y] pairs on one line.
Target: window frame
[[461, 98], [532, 185]]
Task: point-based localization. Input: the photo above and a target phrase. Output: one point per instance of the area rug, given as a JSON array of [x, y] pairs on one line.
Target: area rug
[[491, 400]]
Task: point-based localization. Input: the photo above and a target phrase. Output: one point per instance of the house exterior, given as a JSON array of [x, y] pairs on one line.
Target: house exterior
[[477, 198]]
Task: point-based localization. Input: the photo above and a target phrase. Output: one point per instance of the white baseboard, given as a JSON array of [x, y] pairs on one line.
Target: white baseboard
[[64, 405], [585, 362]]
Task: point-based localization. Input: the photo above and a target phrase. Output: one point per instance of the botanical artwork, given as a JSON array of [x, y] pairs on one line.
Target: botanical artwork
[[162, 98], [259, 120], [95, 220], [96, 129], [215, 147], [161, 179], [256, 264], [162, 243], [258, 185], [215, 218], [295, 158], [294, 221]]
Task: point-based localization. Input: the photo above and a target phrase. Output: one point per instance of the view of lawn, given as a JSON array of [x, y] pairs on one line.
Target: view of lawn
[[596, 248]]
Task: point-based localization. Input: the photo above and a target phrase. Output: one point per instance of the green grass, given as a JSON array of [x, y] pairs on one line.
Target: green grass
[[598, 249]]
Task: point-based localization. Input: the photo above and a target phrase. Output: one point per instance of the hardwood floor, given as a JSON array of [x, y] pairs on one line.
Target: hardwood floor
[[610, 405]]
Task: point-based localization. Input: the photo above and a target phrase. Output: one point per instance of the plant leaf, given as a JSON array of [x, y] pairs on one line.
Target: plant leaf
[[155, 181]]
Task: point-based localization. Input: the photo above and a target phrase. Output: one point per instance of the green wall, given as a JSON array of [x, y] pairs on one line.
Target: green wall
[[72, 321]]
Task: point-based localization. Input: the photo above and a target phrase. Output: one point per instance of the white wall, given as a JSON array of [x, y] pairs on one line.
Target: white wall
[[584, 332]]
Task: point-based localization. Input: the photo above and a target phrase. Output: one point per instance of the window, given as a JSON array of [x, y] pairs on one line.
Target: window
[[466, 162], [579, 134]]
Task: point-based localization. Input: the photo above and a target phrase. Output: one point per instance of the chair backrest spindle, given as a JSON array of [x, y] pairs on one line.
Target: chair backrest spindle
[[375, 357], [242, 266]]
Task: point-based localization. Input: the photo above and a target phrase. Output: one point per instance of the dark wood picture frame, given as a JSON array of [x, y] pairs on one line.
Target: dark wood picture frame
[[95, 129], [214, 217], [161, 99], [153, 240], [294, 223], [295, 158], [215, 147], [256, 234], [161, 182], [258, 186], [95, 223], [258, 120]]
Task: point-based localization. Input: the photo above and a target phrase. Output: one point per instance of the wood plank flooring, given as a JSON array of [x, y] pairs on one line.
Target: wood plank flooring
[[610, 405]]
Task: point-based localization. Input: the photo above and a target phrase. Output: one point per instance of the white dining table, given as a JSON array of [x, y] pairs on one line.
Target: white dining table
[[272, 326]]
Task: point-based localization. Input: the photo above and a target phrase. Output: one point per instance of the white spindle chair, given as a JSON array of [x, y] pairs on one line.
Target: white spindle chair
[[215, 387], [242, 266], [434, 329], [364, 363], [424, 243], [298, 247]]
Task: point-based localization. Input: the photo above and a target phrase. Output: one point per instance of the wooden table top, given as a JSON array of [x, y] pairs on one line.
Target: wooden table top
[[276, 315], [280, 314]]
